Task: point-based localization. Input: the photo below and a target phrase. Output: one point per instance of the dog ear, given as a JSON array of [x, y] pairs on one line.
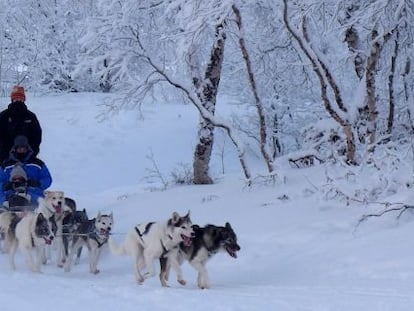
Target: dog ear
[[175, 218], [228, 226], [187, 218], [111, 216], [99, 215], [196, 228], [46, 193]]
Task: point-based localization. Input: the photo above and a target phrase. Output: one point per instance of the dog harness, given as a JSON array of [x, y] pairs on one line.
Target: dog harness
[[95, 236], [147, 228], [165, 250]]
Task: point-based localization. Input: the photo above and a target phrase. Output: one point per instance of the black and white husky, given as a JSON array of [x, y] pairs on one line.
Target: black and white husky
[[93, 234], [32, 233], [70, 225], [207, 241], [151, 241]]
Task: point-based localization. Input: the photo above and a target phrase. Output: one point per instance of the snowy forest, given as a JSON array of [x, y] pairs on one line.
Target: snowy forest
[[319, 80]]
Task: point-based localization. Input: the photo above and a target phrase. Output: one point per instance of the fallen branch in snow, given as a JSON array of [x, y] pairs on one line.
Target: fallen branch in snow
[[305, 161], [401, 208]]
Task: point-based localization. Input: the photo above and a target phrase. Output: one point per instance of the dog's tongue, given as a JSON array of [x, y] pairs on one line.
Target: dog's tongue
[[231, 252], [58, 209], [186, 240]]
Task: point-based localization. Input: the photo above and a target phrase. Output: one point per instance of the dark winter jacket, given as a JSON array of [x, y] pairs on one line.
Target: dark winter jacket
[[18, 120], [35, 169]]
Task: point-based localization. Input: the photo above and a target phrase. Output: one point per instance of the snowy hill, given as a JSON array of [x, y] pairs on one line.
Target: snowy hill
[[299, 251]]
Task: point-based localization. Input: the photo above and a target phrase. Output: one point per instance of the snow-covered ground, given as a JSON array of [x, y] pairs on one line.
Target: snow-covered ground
[[299, 251]]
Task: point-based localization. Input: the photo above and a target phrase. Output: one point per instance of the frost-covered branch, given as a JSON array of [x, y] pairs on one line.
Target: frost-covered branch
[[320, 70], [205, 114]]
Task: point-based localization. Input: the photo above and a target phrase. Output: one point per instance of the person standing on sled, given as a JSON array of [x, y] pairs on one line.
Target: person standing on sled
[[23, 177], [18, 120]]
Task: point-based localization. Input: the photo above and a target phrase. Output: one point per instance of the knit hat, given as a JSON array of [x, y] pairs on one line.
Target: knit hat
[[21, 141], [17, 94], [17, 173]]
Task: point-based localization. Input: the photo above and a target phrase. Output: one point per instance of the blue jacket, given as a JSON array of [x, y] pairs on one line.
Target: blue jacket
[[35, 169]]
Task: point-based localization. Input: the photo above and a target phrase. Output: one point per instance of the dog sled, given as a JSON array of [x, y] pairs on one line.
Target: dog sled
[[19, 201]]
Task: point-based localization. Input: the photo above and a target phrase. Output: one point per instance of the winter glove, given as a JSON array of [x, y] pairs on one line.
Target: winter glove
[[8, 186], [33, 183]]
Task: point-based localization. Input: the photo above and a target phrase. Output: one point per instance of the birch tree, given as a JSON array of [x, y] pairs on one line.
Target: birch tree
[[143, 54], [207, 88], [326, 80]]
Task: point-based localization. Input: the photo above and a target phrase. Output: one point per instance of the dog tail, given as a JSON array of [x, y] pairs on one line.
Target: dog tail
[[116, 249]]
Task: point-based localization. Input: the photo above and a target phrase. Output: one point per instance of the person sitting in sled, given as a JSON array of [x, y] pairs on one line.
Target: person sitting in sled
[[23, 176]]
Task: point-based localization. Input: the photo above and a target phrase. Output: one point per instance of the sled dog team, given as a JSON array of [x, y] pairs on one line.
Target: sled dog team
[[57, 224]]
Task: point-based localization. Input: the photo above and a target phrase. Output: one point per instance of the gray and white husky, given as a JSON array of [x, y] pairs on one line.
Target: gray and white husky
[[206, 242], [94, 235], [150, 241], [33, 232]]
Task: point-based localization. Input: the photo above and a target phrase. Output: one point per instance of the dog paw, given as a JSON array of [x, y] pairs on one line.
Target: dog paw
[[203, 286], [182, 282], [96, 271]]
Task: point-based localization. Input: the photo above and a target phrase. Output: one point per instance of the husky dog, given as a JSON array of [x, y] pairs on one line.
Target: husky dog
[[150, 241], [54, 206], [51, 204], [94, 234], [8, 222], [207, 241], [70, 224], [70, 204], [33, 232]]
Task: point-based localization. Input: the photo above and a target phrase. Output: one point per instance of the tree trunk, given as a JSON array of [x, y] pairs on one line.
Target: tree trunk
[[207, 93], [352, 39], [391, 78], [370, 74], [253, 86], [325, 80]]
